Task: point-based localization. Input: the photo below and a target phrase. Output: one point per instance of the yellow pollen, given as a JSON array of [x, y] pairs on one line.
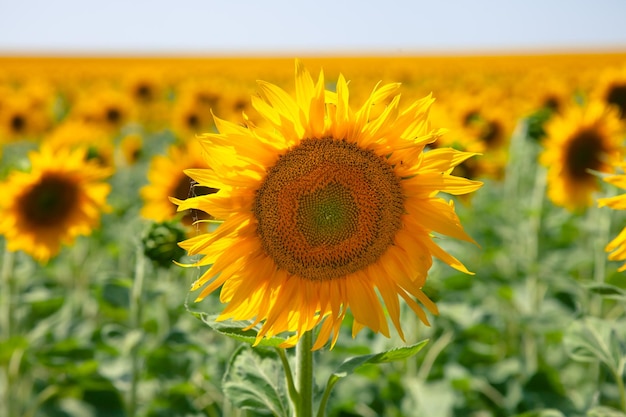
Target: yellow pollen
[[328, 208]]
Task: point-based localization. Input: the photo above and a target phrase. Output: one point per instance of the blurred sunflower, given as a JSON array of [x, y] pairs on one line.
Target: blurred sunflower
[[105, 107], [53, 203], [478, 127], [611, 89], [143, 86], [167, 179], [131, 147], [195, 100], [148, 90], [324, 207], [583, 138], [189, 117], [618, 245], [77, 133], [21, 117]]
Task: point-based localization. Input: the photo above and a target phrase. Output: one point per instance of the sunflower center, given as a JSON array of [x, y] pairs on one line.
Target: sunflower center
[[193, 121], [552, 103], [144, 92], [18, 123], [50, 202], [327, 215], [617, 96], [492, 134], [328, 208], [113, 115], [584, 152]]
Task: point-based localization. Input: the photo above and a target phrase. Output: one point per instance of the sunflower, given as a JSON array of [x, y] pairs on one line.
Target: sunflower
[[321, 208], [131, 147], [147, 88], [167, 179], [53, 203], [618, 245], [77, 133], [190, 117], [105, 107], [21, 117], [582, 139], [476, 126], [611, 89]]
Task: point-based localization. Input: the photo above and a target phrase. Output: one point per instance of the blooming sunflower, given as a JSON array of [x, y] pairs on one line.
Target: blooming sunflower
[[322, 208], [53, 203], [618, 245], [583, 138], [166, 178]]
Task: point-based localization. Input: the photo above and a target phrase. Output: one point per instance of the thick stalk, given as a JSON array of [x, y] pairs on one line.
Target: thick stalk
[[534, 286], [304, 375]]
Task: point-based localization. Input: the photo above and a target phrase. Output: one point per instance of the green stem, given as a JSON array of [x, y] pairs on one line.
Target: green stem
[[135, 324], [329, 387], [8, 290], [620, 387], [304, 375], [291, 387], [600, 222], [534, 286]]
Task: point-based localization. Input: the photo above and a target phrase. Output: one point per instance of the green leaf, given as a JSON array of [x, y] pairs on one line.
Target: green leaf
[[237, 330], [254, 380], [594, 339], [397, 354], [601, 411], [606, 290]]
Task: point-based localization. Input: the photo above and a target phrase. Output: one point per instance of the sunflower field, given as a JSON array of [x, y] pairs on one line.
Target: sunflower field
[[364, 236]]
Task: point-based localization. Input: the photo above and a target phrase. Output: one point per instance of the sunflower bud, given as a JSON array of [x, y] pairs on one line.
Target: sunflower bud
[[160, 243]]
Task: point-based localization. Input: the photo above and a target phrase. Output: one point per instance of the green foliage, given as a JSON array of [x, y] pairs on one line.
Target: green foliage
[[255, 380]]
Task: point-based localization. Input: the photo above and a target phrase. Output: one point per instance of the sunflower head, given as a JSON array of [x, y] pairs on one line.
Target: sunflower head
[[53, 203], [326, 209], [582, 140], [167, 179], [96, 141], [21, 117], [610, 88]]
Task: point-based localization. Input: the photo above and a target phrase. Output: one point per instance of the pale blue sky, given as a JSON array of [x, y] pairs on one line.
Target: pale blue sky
[[324, 26]]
